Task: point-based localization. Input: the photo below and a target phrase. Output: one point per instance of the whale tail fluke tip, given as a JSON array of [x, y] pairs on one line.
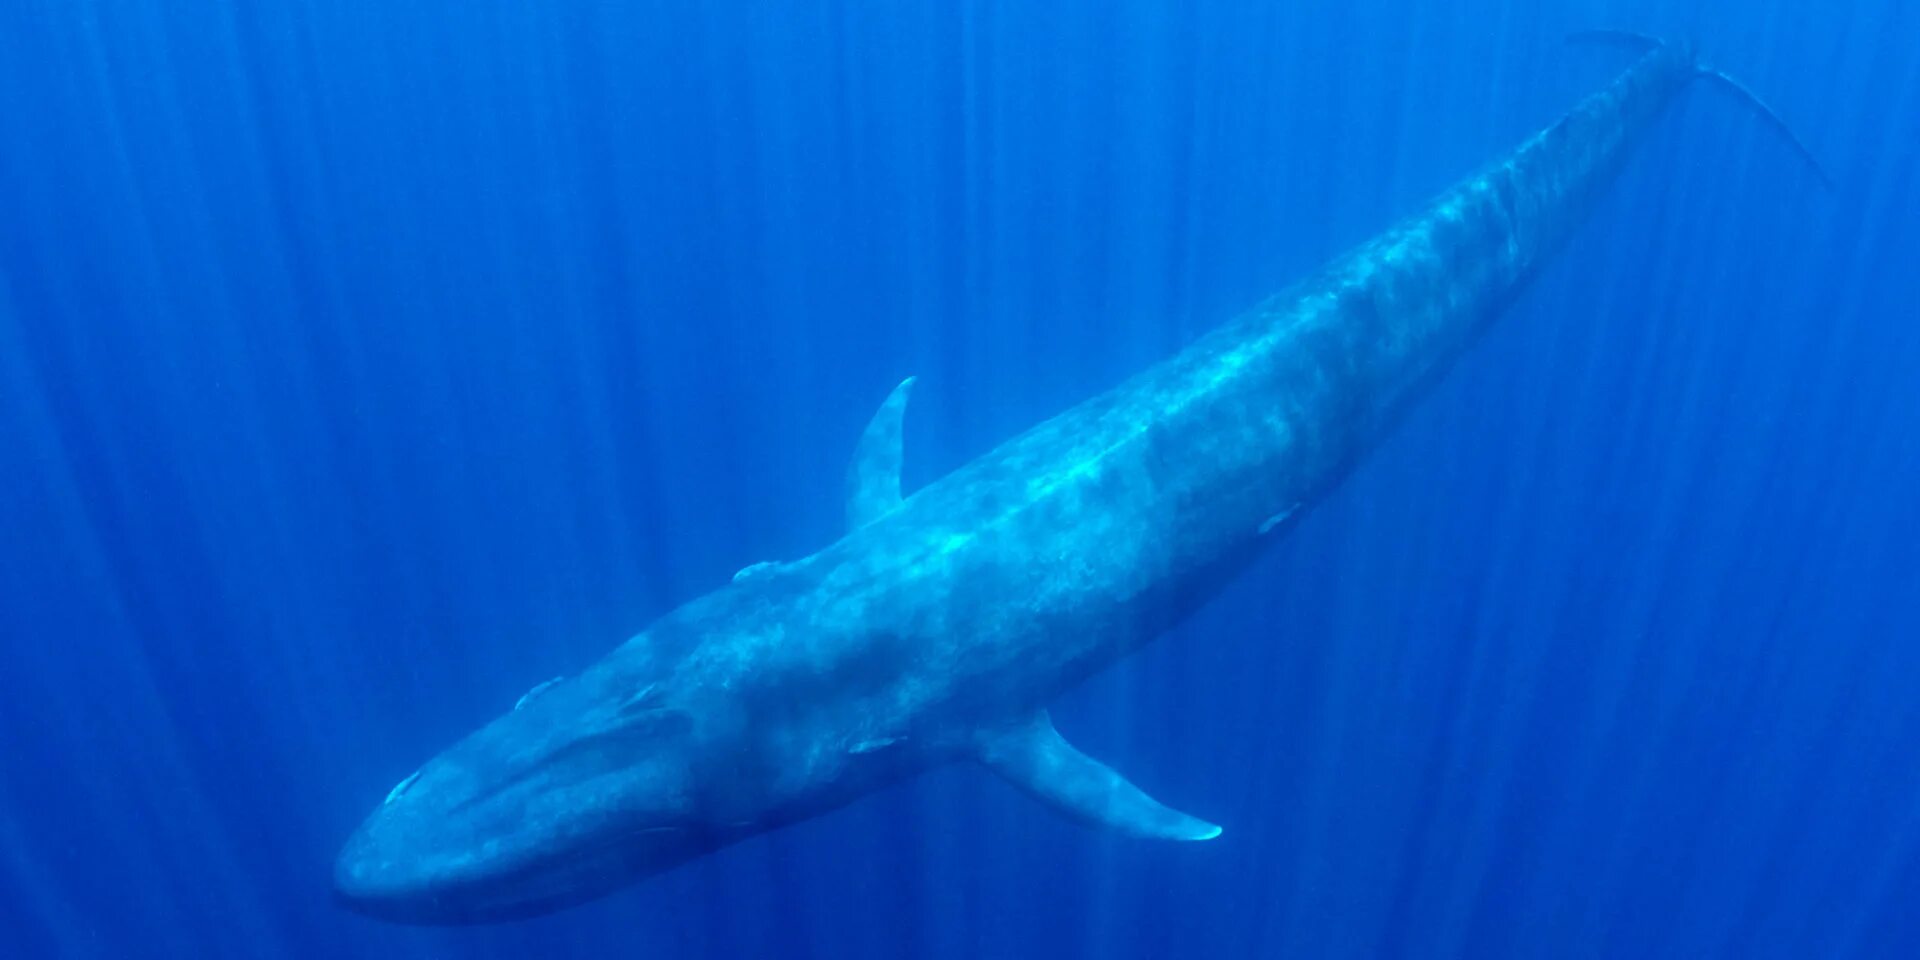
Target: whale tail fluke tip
[[1638, 42], [1641, 43], [1740, 92]]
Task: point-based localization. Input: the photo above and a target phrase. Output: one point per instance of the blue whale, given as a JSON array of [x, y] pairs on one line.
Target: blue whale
[[940, 626]]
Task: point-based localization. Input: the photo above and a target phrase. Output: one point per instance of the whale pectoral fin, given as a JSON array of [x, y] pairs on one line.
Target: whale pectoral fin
[[1035, 758], [873, 480]]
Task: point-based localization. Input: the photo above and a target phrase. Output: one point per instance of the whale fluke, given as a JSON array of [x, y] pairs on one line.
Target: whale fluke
[[873, 480], [1641, 42], [1035, 758], [1740, 92], [1627, 39]]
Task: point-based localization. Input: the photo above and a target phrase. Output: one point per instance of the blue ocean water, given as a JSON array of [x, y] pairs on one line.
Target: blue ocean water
[[362, 365]]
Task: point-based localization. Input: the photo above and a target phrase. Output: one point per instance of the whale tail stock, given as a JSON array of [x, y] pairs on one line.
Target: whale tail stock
[[1641, 42]]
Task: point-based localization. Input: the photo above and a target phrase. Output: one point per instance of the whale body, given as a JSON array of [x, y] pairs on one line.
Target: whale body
[[939, 627]]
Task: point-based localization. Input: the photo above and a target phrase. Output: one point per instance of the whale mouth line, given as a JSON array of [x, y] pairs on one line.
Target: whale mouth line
[[405, 883]]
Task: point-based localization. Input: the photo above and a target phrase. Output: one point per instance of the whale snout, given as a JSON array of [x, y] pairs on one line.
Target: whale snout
[[367, 886], [560, 800], [374, 875], [417, 859], [435, 856]]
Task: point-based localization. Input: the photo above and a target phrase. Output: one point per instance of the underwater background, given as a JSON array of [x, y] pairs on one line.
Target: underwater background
[[363, 365]]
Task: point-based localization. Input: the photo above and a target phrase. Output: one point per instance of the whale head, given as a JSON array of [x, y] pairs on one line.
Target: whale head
[[586, 785]]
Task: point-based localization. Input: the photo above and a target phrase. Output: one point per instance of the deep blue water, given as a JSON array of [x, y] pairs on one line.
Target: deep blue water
[[362, 365]]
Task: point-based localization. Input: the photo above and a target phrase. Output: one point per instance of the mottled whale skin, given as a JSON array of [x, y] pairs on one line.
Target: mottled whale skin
[[941, 625]]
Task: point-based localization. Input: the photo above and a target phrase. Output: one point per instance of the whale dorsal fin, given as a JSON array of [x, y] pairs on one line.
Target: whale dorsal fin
[[1035, 758], [873, 480]]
